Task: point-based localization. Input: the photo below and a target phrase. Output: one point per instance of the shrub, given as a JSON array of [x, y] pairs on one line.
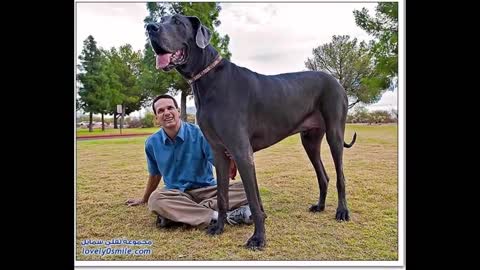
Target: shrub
[[134, 123], [148, 120], [362, 115]]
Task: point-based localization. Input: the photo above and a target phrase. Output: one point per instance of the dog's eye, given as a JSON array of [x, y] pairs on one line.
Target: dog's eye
[[176, 21]]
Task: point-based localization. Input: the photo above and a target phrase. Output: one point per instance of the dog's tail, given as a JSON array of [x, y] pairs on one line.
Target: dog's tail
[[351, 143]]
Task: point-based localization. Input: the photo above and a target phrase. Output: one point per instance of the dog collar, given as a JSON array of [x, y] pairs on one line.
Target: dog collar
[[207, 69]]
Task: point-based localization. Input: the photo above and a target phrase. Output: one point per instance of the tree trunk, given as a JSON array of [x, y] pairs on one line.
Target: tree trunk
[[183, 106], [90, 126], [123, 117], [115, 125], [103, 123]]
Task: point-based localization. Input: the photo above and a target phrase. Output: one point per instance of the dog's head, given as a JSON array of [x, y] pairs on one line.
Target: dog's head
[[174, 38]]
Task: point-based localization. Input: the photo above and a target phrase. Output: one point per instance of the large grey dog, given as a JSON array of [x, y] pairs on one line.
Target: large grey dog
[[241, 112]]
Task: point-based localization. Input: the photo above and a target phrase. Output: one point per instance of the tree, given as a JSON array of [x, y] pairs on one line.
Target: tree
[[351, 63], [384, 28], [126, 65], [152, 81], [208, 13], [90, 85], [108, 87]]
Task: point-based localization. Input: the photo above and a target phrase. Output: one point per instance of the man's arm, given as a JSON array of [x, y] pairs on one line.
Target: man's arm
[[153, 181], [154, 177]]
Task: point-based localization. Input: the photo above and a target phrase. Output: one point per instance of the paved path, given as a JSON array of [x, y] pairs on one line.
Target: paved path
[[110, 136]]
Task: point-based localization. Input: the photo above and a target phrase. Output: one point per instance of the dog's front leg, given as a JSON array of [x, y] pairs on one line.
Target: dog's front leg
[[243, 156], [222, 166]]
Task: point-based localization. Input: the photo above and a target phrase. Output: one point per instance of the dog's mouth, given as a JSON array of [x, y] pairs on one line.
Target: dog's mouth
[[168, 59]]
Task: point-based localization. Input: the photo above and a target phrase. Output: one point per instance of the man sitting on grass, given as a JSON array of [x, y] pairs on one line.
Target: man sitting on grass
[[180, 153]]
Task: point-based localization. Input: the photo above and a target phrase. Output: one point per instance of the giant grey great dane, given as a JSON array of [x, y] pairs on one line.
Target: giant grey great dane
[[241, 112]]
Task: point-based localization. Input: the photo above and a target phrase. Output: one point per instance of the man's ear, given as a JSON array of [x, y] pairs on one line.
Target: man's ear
[[203, 34]]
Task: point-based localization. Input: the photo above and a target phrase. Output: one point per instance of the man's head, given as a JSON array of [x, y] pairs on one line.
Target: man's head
[[165, 108], [175, 38]]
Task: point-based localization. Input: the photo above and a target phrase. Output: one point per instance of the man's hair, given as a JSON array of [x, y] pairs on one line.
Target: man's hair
[[163, 96]]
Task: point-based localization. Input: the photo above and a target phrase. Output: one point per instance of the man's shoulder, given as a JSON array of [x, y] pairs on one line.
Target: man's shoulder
[[193, 128], [193, 132], [154, 138]]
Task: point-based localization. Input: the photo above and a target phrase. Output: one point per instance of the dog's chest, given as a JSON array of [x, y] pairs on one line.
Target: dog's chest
[[203, 103], [201, 114], [204, 121], [209, 131]]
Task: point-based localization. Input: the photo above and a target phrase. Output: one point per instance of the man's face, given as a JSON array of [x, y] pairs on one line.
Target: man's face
[[167, 115]]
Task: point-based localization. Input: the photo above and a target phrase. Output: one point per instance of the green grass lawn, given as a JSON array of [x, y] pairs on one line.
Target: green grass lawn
[[111, 171], [109, 131]]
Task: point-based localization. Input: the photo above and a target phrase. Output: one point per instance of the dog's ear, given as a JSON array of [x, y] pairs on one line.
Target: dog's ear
[[203, 34]]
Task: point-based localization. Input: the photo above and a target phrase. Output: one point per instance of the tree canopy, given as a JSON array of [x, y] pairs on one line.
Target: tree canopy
[[384, 28], [350, 62]]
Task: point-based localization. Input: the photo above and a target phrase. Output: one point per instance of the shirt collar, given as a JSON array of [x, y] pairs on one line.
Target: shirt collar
[[180, 134]]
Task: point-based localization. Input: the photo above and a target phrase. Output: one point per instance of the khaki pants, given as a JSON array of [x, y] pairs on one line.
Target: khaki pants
[[194, 207]]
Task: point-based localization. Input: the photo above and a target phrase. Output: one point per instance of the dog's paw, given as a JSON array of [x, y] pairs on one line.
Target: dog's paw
[[256, 243], [317, 208], [342, 215], [214, 229]]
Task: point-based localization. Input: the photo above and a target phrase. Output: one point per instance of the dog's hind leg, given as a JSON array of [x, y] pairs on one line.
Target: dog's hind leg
[[335, 133], [312, 141]]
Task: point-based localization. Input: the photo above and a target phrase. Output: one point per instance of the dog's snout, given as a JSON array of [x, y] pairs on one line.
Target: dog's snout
[[152, 27]]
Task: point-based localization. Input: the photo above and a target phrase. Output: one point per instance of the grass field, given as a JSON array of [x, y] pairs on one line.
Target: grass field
[[111, 171]]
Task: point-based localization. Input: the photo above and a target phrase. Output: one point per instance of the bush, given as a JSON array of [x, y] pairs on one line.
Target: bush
[[191, 118], [148, 120], [134, 123], [362, 115], [86, 118]]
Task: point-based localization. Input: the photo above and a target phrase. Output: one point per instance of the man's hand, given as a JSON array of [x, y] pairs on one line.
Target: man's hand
[[233, 167], [134, 202], [228, 154]]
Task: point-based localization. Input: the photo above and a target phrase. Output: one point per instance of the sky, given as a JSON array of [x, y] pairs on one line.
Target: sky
[[268, 38]]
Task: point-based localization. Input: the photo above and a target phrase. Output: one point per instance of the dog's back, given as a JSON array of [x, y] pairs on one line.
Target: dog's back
[[278, 106]]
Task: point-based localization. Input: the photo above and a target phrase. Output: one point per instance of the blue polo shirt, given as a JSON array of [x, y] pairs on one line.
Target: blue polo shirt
[[185, 163]]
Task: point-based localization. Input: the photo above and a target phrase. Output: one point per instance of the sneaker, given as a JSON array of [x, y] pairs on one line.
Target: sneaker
[[163, 222], [241, 215]]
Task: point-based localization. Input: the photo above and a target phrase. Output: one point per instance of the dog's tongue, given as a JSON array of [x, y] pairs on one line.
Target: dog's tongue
[[162, 60]]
